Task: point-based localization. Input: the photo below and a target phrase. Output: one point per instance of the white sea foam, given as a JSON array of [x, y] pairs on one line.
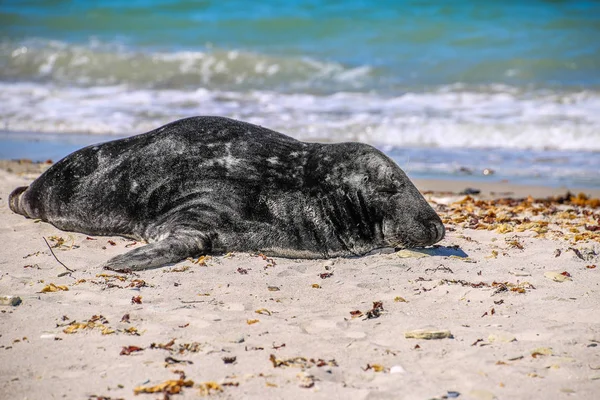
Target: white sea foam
[[446, 117], [96, 63]]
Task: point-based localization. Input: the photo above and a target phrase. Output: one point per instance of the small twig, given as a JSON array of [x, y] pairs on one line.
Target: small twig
[[60, 262]]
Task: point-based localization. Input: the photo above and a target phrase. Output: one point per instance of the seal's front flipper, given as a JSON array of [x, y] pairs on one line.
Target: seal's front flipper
[[170, 250]]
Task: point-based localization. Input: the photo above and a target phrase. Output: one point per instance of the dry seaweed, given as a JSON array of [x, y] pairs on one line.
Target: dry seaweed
[[127, 350], [301, 362], [376, 311], [169, 387], [574, 218]]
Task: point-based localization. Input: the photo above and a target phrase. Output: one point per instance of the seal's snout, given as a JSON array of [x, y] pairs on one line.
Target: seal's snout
[[14, 200], [437, 231]]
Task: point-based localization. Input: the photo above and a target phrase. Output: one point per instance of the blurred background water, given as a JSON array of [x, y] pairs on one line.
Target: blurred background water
[[447, 89]]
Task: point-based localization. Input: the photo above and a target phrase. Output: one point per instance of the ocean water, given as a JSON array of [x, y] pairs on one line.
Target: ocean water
[[448, 89]]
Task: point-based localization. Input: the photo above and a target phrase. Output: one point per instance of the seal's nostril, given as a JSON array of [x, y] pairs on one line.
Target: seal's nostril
[[438, 231], [441, 230]]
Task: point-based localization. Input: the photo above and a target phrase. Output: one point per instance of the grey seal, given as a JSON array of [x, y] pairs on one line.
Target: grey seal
[[206, 185]]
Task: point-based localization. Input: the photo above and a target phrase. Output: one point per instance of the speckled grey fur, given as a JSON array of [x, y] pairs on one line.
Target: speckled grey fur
[[211, 185]]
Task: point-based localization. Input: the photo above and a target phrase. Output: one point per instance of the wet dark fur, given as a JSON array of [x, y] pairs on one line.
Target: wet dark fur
[[211, 185]]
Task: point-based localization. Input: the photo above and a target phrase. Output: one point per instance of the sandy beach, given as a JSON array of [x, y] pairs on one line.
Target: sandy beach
[[505, 307]]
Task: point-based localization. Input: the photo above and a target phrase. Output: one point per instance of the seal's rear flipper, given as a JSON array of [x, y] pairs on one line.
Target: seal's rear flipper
[[14, 200], [171, 250]]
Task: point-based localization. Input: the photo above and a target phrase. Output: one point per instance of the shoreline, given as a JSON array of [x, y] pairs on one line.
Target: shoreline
[[499, 189]]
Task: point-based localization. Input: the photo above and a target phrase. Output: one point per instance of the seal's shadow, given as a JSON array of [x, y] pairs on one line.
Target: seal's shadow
[[442, 251], [446, 251]]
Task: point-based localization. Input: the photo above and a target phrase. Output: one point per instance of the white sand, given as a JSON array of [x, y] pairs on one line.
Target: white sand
[[211, 305]]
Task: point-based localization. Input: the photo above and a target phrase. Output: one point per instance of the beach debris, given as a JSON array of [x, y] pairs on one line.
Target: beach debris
[[520, 287], [242, 271], [209, 387], [263, 311], [462, 282], [558, 276], [557, 253], [54, 288], [270, 262], [229, 359], [184, 348], [136, 300], [428, 334], [376, 311], [200, 261], [172, 361], [326, 275], [440, 268], [166, 346], [519, 272], [301, 362], [138, 283], [108, 277], [182, 268], [127, 350], [493, 255], [376, 368], [173, 386], [275, 347], [273, 288], [60, 242], [399, 299], [591, 266], [54, 255], [541, 351], [491, 312], [514, 243], [10, 301], [96, 322], [37, 253], [316, 286], [131, 331], [577, 252], [252, 321], [307, 381], [405, 253]]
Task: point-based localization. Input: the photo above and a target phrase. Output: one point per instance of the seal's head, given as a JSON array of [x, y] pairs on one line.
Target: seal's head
[[397, 211]]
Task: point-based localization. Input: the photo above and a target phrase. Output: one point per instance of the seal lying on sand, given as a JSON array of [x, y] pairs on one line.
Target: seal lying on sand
[[211, 185]]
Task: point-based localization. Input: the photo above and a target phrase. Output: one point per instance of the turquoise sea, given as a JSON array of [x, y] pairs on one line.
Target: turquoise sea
[[447, 88]]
